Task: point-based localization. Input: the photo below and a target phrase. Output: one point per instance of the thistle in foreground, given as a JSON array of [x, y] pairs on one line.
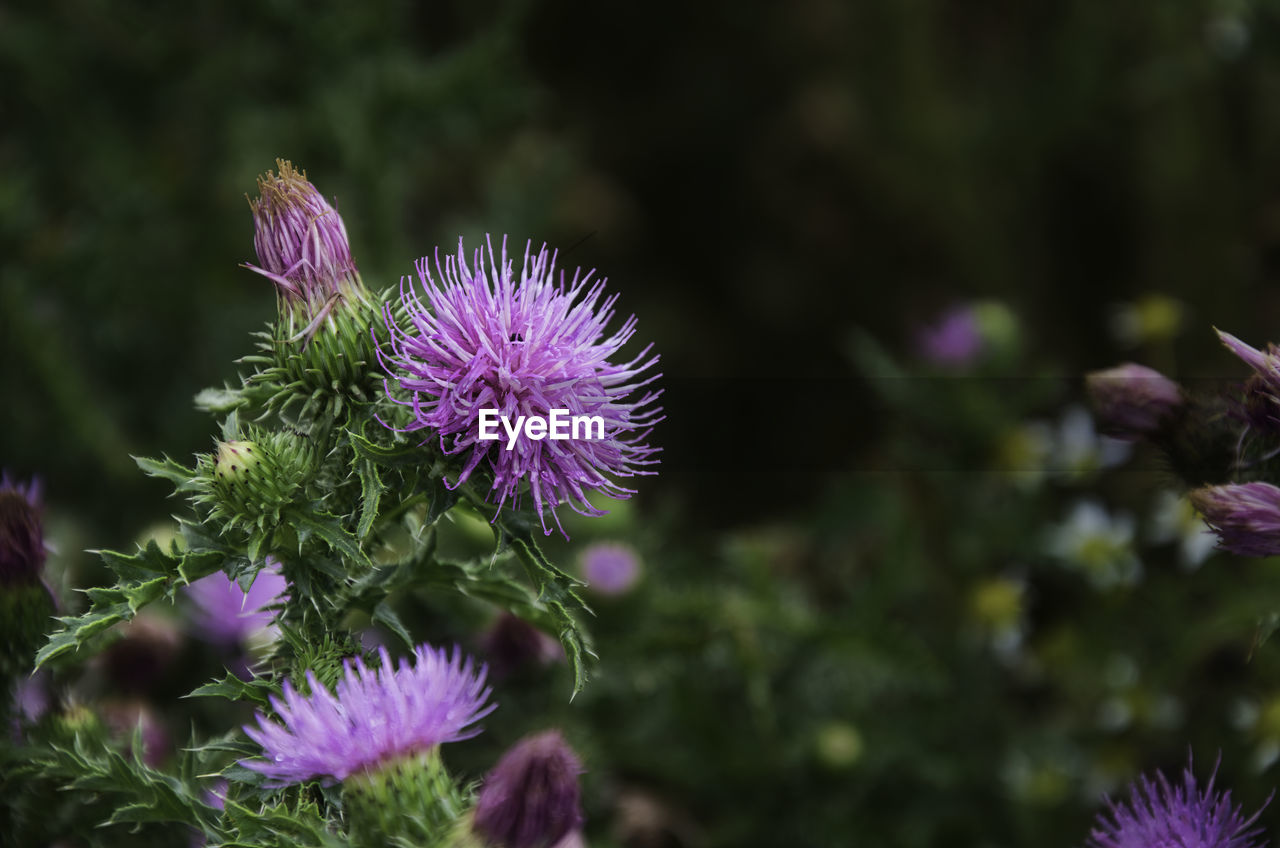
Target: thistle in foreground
[[484, 339], [377, 718], [1160, 814]]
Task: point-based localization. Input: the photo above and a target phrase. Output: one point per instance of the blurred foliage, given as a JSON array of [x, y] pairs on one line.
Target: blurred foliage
[[854, 626]]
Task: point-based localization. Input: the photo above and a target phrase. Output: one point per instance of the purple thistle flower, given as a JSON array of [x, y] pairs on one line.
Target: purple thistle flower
[[610, 568], [1246, 516], [531, 798], [302, 244], [227, 615], [377, 715], [22, 551], [1159, 814], [955, 341], [485, 340], [1132, 400]]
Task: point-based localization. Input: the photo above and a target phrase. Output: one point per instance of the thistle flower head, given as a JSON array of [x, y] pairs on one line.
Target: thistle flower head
[[531, 798], [1246, 516], [375, 717], [302, 244], [1161, 814], [610, 568], [485, 339], [21, 532], [1132, 400]]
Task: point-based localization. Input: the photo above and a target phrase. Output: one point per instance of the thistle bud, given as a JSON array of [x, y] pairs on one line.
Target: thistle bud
[[249, 481], [1132, 400], [531, 798], [236, 460], [302, 244]]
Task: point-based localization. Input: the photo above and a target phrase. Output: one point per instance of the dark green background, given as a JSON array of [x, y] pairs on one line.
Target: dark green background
[[756, 182]]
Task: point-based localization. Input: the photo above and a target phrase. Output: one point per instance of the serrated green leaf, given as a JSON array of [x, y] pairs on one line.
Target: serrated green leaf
[[219, 401], [330, 529], [233, 688], [399, 456], [383, 614], [371, 488], [167, 469], [142, 578]]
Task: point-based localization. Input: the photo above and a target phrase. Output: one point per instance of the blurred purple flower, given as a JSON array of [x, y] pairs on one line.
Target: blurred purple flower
[[228, 616], [531, 798], [610, 568], [512, 644], [1132, 400], [22, 552], [1246, 516], [485, 340], [955, 341], [376, 715], [1160, 814]]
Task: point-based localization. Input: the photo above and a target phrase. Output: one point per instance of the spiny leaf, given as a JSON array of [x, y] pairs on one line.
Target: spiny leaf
[[142, 578]]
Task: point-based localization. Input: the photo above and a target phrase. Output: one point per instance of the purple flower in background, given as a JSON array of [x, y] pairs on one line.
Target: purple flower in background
[[1132, 400], [22, 551], [1246, 516], [955, 341], [302, 244], [229, 616], [523, 347], [376, 715], [531, 798], [610, 568], [1160, 814], [512, 644]]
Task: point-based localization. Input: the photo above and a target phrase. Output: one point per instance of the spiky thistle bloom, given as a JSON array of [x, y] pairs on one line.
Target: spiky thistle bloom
[[487, 340], [1246, 516], [302, 245], [531, 798], [1159, 814], [1132, 400], [375, 717]]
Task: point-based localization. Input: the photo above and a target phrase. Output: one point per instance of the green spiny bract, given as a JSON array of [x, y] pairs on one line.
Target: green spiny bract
[[248, 483], [320, 377]]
